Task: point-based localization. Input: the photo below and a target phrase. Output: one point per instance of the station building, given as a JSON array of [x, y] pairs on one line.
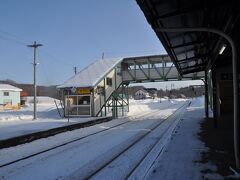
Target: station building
[[85, 93]]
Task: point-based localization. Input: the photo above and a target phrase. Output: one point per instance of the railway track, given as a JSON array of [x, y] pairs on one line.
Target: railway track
[[145, 115], [108, 165]]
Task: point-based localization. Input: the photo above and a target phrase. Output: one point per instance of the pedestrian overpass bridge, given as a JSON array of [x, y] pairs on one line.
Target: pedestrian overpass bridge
[[100, 88], [152, 68]]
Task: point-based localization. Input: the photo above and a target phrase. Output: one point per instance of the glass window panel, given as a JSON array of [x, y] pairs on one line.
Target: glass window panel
[[83, 100], [72, 100], [73, 111], [6, 93], [84, 110]]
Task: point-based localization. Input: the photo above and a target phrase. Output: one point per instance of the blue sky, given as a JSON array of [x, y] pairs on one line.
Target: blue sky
[[73, 32]]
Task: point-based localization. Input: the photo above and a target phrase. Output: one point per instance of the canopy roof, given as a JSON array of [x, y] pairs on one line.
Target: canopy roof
[[92, 74], [193, 51]]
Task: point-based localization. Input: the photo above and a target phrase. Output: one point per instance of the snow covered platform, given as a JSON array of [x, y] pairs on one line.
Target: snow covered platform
[[182, 157], [19, 124]]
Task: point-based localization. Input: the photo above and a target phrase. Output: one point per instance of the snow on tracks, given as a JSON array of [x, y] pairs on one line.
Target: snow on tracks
[[85, 155], [130, 155]]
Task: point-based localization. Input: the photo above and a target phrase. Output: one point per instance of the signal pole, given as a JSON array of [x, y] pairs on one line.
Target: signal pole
[[103, 55], [75, 69], [34, 46]]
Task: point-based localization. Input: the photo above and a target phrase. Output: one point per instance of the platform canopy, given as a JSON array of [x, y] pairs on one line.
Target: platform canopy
[[92, 74], [193, 51]]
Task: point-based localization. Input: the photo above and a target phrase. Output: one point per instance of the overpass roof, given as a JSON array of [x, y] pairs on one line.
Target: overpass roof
[[92, 74], [150, 58], [193, 51]]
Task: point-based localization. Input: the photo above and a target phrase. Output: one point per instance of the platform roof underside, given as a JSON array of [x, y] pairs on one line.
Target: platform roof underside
[[192, 51]]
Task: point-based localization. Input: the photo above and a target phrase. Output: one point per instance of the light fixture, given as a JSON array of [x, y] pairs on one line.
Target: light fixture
[[222, 48]]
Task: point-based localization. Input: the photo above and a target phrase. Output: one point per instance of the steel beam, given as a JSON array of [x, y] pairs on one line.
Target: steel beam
[[194, 58], [143, 71], [202, 41], [133, 78], [190, 49], [168, 71], [193, 70], [159, 73], [194, 66]]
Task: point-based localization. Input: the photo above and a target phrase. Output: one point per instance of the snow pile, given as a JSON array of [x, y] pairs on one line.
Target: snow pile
[[46, 108], [150, 105], [10, 117], [42, 100]]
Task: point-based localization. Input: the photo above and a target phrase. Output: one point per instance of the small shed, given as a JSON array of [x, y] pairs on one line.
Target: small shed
[[141, 94], [9, 97]]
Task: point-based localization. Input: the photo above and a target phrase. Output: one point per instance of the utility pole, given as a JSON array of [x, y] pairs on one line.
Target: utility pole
[[75, 69], [103, 55], [34, 46]]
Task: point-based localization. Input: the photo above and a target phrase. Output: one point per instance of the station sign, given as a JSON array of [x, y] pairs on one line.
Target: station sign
[[83, 91], [73, 90]]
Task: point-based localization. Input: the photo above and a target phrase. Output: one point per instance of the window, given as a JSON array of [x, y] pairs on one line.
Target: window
[[5, 93], [119, 70], [78, 105], [83, 100], [109, 81]]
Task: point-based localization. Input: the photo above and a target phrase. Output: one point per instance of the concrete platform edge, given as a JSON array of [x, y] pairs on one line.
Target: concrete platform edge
[[6, 143]]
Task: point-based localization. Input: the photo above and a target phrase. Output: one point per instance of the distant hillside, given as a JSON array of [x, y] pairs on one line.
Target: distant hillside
[[50, 91], [186, 91]]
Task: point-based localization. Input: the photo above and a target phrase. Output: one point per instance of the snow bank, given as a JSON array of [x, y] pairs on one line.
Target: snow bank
[[15, 118], [46, 108], [147, 105], [42, 100]]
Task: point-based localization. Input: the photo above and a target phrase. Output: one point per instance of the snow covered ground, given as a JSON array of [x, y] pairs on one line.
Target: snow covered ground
[[95, 147], [149, 143], [20, 122], [16, 123]]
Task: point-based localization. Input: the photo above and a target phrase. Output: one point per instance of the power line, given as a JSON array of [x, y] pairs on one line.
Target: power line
[[13, 40], [54, 59], [23, 40], [43, 67]]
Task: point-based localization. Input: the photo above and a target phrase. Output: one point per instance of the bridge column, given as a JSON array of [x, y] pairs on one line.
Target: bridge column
[[105, 100], [215, 112], [206, 94]]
